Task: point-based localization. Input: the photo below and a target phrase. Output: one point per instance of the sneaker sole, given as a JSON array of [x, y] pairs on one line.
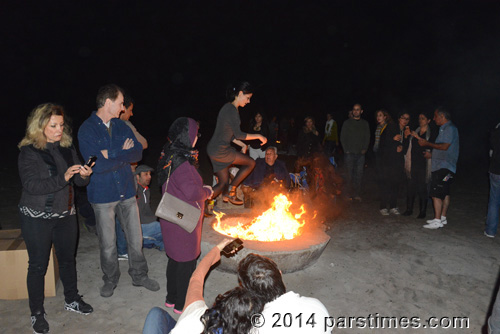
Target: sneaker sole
[[35, 332], [79, 312]]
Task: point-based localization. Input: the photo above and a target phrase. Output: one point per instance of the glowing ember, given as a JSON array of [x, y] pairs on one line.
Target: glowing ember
[[277, 223]]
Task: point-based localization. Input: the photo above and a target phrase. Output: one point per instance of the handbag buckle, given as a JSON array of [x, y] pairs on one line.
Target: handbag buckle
[[179, 215]]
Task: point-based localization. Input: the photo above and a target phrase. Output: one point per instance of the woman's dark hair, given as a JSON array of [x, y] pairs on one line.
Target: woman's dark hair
[[429, 115], [252, 120], [261, 275], [401, 113], [231, 312], [233, 90]]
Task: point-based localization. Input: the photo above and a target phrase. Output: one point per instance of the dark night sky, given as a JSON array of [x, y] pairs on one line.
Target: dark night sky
[[306, 58]]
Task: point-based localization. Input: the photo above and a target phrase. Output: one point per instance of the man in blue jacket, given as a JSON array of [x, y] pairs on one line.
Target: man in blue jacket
[[111, 190]]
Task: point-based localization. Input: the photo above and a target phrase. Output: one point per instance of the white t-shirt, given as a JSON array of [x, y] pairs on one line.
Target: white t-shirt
[[291, 313], [189, 321]]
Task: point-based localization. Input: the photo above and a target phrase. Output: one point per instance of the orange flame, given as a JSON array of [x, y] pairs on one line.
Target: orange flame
[[275, 224]]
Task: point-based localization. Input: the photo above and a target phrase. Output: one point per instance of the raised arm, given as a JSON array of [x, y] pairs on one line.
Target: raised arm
[[195, 288]]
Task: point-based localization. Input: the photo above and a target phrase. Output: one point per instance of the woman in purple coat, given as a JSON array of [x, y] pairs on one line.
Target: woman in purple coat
[[180, 160]]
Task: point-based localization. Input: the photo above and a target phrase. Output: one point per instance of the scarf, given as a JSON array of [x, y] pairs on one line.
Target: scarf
[[378, 133], [178, 148]]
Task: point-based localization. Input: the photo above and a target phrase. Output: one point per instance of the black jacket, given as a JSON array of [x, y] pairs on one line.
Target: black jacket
[[42, 178]]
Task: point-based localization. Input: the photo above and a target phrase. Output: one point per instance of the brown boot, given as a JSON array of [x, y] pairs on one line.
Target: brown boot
[[231, 197]]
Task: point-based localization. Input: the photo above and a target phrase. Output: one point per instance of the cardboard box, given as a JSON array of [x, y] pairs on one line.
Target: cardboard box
[[14, 264]]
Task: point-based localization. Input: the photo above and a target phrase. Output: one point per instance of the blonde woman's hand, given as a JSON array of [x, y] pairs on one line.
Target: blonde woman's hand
[[75, 169], [85, 171], [263, 140]]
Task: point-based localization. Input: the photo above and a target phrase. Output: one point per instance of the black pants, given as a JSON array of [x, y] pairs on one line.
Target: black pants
[[178, 275], [391, 178], [417, 185], [39, 235]]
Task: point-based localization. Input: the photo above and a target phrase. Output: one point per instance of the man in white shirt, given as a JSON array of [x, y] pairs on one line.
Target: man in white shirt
[[284, 312]]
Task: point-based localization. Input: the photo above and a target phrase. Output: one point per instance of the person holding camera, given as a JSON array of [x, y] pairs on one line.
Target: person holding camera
[[48, 168]]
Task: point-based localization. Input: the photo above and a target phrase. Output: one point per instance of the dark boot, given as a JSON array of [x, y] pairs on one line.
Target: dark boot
[[409, 205], [423, 208], [231, 197]]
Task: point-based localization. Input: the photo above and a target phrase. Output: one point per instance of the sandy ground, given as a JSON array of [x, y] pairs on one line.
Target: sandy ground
[[383, 266]]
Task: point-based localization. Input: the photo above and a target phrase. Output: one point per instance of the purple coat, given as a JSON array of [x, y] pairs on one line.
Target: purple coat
[[186, 184]]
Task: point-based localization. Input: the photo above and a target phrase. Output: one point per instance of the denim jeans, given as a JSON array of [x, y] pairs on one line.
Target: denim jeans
[[158, 321], [121, 241], [355, 162], [151, 235], [39, 234], [493, 205], [128, 214]]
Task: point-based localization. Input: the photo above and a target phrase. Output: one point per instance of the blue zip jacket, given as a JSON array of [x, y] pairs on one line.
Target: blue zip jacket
[[112, 179]]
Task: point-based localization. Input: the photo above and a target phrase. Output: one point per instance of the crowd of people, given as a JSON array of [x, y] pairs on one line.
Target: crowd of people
[[421, 161]]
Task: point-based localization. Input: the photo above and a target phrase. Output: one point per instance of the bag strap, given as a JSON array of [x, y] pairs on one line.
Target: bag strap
[[168, 178]]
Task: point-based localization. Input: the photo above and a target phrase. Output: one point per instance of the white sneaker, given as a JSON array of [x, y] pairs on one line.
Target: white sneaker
[[488, 235], [395, 211], [433, 224], [384, 212], [444, 221]]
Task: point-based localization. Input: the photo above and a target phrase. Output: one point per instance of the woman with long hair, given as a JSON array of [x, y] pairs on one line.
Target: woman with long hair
[[228, 130], [48, 168], [258, 125], [418, 165], [178, 165], [389, 140]]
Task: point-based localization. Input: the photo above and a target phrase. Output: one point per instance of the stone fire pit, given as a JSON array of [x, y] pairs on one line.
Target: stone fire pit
[[289, 255]]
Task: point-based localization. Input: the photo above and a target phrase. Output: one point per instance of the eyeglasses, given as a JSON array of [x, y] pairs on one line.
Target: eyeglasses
[[405, 118]]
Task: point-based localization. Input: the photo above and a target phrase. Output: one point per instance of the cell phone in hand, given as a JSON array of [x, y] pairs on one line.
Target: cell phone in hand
[[91, 160], [234, 245]]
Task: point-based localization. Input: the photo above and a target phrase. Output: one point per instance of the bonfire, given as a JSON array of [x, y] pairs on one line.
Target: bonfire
[[275, 224]]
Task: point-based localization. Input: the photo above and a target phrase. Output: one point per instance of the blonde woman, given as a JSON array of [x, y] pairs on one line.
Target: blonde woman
[[48, 167]]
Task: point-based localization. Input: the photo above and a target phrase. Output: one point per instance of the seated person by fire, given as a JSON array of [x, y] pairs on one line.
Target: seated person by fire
[[269, 176]]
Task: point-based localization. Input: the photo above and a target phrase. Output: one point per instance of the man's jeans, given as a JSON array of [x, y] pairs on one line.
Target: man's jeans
[[128, 214], [493, 205], [151, 235], [39, 234], [158, 321], [355, 163], [121, 241]]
